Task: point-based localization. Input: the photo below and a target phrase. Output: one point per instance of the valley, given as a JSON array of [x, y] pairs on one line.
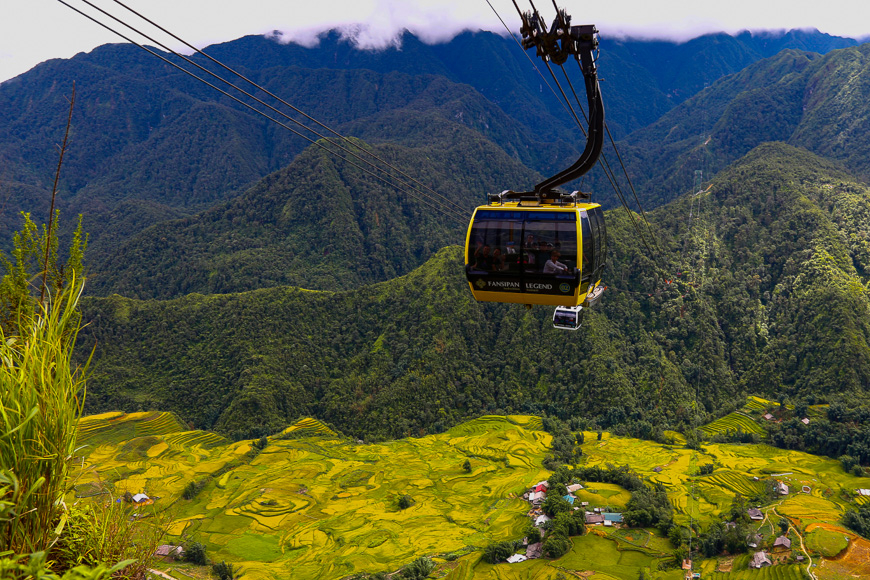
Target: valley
[[314, 504], [284, 364]]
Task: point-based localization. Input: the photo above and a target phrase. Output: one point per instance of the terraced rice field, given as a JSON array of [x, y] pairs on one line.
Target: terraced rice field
[[805, 510], [313, 493], [314, 505], [758, 404], [781, 572], [854, 563], [827, 541], [736, 421]]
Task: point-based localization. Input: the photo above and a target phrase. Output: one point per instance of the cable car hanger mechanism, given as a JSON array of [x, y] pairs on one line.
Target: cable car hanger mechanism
[[556, 45]]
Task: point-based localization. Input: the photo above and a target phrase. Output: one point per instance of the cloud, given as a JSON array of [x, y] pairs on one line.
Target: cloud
[[379, 24]]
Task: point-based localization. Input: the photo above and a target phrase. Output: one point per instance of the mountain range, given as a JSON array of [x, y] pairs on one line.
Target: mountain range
[[242, 276]]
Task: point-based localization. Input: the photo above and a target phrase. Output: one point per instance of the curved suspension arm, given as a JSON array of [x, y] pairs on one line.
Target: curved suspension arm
[[556, 45], [595, 135]]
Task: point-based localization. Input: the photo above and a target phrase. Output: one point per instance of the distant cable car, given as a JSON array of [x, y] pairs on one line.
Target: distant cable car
[[545, 246], [567, 317]]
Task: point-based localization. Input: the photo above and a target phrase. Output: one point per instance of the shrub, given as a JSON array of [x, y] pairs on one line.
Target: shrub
[[195, 552], [467, 466], [498, 552], [556, 545], [104, 533], [418, 569], [405, 502], [223, 571]]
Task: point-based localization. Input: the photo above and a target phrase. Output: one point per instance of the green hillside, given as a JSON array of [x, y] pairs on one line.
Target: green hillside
[[806, 100], [318, 224], [778, 241]]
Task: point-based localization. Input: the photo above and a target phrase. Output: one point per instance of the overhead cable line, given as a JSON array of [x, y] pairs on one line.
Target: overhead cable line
[[339, 146], [537, 70], [568, 106], [605, 164], [425, 199], [284, 102]]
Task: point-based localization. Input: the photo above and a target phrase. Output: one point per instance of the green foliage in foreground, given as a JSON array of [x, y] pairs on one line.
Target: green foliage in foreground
[[34, 566], [41, 388]]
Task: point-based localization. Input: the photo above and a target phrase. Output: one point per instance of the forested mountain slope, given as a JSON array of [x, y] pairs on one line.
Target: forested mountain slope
[[319, 223], [806, 100], [771, 297], [150, 144]]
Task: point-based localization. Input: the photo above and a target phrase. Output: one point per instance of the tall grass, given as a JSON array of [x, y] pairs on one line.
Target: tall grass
[[41, 397]]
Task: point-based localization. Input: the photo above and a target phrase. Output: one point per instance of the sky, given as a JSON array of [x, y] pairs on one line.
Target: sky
[[32, 31]]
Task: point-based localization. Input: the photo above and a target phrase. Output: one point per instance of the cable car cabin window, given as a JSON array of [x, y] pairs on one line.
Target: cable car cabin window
[[594, 241], [550, 243], [495, 242], [596, 217]]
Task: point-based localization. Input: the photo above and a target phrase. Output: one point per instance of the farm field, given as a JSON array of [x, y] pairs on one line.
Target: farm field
[[315, 505], [736, 421]]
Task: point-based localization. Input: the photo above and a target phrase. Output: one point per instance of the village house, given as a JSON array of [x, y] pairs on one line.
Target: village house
[[516, 558], [768, 416], [687, 564], [753, 540], [759, 560], [782, 542], [534, 550], [574, 487], [781, 488], [593, 519], [755, 514], [805, 421], [168, 552]]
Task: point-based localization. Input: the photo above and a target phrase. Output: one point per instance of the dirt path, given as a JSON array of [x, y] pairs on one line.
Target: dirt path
[[163, 575], [803, 548]]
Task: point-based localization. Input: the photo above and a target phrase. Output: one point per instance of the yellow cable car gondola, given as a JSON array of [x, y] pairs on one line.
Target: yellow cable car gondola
[[544, 246], [535, 254]]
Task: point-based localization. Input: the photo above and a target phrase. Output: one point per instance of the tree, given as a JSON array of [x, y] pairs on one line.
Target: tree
[[195, 552], [224, 571], [783, 525], [555, 504], [600, 435], [556, 545], [405, 502], [498, 551], [467, 466], [569, 523], [418, 569]]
